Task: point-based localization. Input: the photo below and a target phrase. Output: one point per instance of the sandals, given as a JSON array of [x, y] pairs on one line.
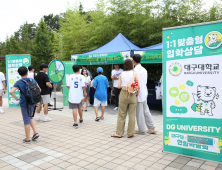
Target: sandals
[[35, 136], [114, 136], [26, 141], [97, 119], [131, 136], [101, 118]]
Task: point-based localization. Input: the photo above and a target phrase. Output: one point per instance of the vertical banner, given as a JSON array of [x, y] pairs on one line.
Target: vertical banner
[[68, 71], [192, 66], [13, 62]]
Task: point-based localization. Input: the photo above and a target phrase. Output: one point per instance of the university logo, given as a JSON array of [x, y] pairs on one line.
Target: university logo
[[213, 39], [26, 61], [175, 69]]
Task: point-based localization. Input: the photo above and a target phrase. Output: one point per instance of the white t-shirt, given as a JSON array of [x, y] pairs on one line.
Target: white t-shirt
[[2, 78], [75, 83], [142, 74], [126, 77], [116, 73], [87, 78], [30, 75]]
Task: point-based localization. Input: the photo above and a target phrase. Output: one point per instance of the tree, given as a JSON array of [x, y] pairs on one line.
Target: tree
[[52, 21], [42, 49]]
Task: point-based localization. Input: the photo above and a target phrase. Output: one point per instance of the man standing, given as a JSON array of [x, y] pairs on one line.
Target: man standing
[[115, 76], [100, 98], [76, 85], [44, 84], [143, 115], [2, 89], [31, 72]]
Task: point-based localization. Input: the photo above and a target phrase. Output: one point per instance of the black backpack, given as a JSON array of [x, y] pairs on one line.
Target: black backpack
[[32, 95]]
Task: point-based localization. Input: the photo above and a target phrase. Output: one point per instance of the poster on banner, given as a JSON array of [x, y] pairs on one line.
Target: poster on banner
[[192, 64], [68, 71], [13, 62]]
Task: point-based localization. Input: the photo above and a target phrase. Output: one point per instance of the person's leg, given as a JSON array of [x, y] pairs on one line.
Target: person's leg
[[45, 109], [38, 110], [87, 101], [96, 111], [131, 113], [148, 117], [27, 132], [80, 113], [122, 112], [1, 102], [83, 101], [74, 112], [32, 123], [140, 118], [103, 111], [116, 92]]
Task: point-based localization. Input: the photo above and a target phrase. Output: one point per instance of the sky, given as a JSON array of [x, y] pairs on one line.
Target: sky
[[14, 13]]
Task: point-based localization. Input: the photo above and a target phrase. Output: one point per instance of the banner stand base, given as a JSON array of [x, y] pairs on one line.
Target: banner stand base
[[59, 109]]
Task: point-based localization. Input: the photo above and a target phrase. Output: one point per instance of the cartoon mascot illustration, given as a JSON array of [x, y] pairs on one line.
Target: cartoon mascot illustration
[[213, 40], [203, 100]]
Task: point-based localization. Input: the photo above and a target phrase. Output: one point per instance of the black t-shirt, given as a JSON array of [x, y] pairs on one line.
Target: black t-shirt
[[42, 79]]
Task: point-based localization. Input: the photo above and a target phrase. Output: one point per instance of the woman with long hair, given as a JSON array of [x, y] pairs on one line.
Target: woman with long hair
[[127, 100], [88, 83]]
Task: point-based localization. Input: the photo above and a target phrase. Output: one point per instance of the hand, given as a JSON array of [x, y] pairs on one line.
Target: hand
[[53, 86], [4, 91], [85, 94]]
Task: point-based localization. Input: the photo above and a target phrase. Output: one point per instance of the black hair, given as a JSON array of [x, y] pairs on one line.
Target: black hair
[[83, 70], [22, 71], [127, 65], [94, 75], [84, 66], [43, 66], [136, 58], [30, 68], [75, 68]]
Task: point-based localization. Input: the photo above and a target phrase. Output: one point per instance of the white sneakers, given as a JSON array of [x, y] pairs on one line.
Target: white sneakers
[[47, 120], [1, 111], [116, 108]]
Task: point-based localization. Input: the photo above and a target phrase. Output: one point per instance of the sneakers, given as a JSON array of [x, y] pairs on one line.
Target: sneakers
[[37, 119], [80, 120], [47, 120], [97, 119], [116, 108], [75, 126], [26, 141], [1, 111]]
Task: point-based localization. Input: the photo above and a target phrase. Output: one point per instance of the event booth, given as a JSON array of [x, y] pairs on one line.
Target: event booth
[[115, 52]]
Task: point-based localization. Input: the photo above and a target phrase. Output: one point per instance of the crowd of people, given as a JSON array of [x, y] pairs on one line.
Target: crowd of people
[[133, 103]]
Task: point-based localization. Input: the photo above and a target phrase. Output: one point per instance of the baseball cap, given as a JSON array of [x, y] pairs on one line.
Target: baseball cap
[[99, 70]]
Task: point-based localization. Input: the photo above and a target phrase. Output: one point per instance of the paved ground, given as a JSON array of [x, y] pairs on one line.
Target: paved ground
[[60, 146]]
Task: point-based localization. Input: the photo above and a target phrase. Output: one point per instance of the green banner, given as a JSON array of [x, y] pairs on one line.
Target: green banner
[[100, 59], [13, 62], [192, 81], [150, 56], [68, 71]]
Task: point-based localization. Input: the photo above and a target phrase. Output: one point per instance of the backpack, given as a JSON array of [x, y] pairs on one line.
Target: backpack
[[32, 95]]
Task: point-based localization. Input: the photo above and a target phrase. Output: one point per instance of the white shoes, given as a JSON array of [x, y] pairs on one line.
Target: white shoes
[[47, 120], [116, 108], [1, 111], [37, 119]]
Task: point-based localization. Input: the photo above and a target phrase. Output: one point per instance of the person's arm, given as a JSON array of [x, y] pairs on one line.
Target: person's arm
[[12, 92], [3, 82], [95, 83], [68, 84], [84, 86], [119, 82], [48, 84], [137, 78]]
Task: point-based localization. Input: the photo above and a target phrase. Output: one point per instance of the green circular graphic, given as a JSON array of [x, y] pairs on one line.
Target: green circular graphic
[[184, 96], [56, 71], [174, 92]]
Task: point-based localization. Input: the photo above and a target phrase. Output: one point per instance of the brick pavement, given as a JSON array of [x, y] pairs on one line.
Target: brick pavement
[[60, 146]]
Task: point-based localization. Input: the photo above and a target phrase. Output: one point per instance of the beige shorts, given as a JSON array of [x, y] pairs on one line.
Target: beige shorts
[[45, 99], [1, 92]]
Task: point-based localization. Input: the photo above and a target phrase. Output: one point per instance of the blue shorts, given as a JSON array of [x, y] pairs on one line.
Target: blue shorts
[[26, 118]]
